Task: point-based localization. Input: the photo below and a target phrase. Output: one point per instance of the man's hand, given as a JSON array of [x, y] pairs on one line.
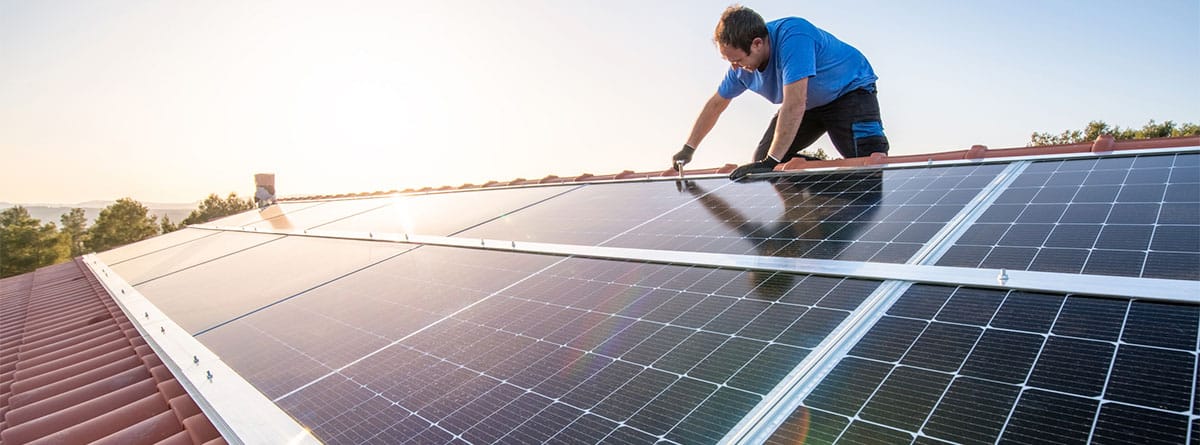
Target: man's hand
[[684, 156], [764, 165]]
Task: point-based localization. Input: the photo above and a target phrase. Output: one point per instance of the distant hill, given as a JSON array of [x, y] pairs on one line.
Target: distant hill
[[52, 212]]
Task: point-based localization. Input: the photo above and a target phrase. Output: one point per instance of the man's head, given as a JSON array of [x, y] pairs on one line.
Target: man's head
[[741, 37]]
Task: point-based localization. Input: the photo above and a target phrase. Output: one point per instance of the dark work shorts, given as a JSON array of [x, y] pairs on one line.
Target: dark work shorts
[[851, 120]]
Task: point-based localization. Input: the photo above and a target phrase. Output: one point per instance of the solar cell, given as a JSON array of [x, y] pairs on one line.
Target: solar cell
[[506, 346], [1032, 368], [1094, 217]]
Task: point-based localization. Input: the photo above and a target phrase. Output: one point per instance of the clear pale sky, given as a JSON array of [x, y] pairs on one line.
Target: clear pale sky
[[168, 101]]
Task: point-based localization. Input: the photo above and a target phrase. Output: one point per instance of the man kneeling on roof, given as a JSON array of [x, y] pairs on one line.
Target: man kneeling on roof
[[821, 83]]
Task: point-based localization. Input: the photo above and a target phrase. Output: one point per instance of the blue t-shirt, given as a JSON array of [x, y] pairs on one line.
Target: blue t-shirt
[[799, 50]]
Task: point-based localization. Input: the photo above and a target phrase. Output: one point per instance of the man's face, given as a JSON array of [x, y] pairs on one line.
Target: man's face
[[740, 59]]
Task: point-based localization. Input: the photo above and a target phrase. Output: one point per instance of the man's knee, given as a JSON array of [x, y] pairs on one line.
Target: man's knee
[[869, 138]]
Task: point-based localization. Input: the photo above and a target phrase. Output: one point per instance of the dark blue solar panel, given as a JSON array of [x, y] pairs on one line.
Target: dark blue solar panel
[[1136, 217], [960, 365], [882, 216], [448, 345], [518, 347]]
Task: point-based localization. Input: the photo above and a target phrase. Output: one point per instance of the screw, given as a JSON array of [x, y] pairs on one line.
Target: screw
[[147, 315], [195, 360], [162, 329], [1003, 277], [209, 375]]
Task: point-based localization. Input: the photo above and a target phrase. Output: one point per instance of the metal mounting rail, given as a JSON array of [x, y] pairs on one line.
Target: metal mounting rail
[[1184, 291], [239, 411]]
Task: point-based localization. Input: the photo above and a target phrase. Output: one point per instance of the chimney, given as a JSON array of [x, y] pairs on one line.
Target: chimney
[[264, 189]]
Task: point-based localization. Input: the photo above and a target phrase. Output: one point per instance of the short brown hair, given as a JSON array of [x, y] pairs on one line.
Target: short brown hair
[[739, 26]]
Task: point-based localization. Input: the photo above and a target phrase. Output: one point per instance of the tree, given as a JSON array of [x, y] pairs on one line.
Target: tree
[[214, 207], [1096, 128], [26, 246], [166, 226], [74, 227], [123, 222]]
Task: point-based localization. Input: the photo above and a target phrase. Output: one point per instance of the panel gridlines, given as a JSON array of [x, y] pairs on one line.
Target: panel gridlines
[[588, 215], [880, 216], [587, 351], [309, 335], [1130, 216], [966, 365]]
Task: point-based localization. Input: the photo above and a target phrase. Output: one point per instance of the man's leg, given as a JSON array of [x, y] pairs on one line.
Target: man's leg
[[810, 129], [854, 124]]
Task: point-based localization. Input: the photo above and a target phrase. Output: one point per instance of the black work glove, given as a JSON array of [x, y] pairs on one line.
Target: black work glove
[[763, 165], [685, 155]]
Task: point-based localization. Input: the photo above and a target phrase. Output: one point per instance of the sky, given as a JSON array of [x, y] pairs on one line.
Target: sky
[[169, 101]]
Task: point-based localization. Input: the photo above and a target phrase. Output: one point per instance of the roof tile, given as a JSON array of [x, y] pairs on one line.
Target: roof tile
[[73, 368]]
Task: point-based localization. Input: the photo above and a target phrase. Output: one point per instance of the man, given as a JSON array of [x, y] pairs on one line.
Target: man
[[822, 85]]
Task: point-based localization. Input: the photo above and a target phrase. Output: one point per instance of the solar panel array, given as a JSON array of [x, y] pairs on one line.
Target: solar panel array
[[367, 341], [1130, 216], [967, 365]]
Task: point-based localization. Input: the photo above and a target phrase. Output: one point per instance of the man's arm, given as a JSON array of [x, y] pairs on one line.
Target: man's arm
[[795, 97], [707, 119]]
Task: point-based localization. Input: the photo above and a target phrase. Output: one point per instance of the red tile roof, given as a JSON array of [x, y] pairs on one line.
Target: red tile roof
[[73, 369], [1100, 145]]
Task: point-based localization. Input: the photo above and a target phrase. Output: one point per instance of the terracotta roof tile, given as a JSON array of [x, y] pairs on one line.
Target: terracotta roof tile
[[73, 368]]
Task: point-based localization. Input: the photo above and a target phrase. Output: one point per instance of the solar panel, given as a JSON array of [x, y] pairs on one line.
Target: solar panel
[[871, 215], [368, 341], [883, 216], [126, 252], [1014, 367], [443, 213], [177, 257], [591, 214], [360, 313], [1128, 216], [256, 277], [315, 215], [278, 215], [577, 350]]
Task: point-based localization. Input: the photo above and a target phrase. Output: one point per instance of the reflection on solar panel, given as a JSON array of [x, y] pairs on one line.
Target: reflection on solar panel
[[882, 216], [1133, 216], [979, 366], [275, 216], [442, 213], [317, 215], [589, 215], [643, 339]]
